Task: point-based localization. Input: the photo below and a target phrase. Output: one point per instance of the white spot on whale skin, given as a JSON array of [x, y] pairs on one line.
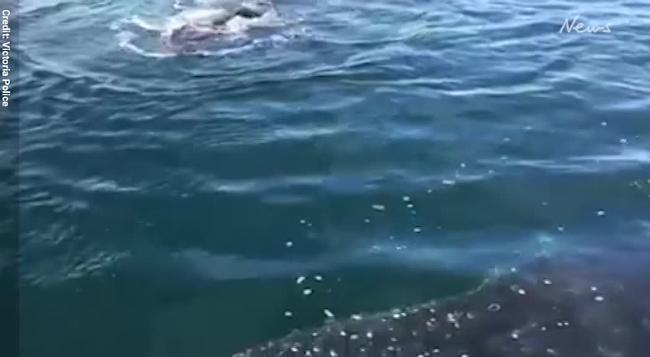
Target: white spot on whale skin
[[288, 314], [378, 207], [494, 307], [289, 244], [328, 313], [307, 292], [599, 298], [518, 290], [300, 280]]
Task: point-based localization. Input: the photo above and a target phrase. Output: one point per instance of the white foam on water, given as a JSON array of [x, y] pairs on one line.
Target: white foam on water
[[178, 5], [621, 159], [627, 155], [126, 38], [147, 25]]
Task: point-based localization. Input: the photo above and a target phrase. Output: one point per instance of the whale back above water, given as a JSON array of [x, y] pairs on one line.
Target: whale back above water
[[204, 27], [579, 306], [206, 23]]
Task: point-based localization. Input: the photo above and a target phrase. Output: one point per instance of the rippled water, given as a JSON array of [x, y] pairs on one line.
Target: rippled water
[[396, 150]]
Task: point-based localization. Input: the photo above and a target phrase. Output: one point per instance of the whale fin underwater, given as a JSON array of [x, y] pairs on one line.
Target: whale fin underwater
[[573, 306]]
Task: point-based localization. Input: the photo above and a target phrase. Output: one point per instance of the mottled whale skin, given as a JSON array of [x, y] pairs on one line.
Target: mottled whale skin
[[203, 24], [197, 24], [578, 306]]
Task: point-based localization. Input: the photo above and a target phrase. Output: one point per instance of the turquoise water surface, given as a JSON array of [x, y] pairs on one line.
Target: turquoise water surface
[[354, 156]]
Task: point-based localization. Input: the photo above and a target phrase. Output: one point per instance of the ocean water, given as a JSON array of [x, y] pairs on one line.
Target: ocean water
[[352, 156]]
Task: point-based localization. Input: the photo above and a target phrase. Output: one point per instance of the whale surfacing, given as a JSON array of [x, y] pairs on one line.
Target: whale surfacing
[[194, 25], [579, 306]]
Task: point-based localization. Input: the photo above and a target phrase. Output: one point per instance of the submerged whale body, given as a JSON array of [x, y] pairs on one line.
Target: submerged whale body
[[579, 306]]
